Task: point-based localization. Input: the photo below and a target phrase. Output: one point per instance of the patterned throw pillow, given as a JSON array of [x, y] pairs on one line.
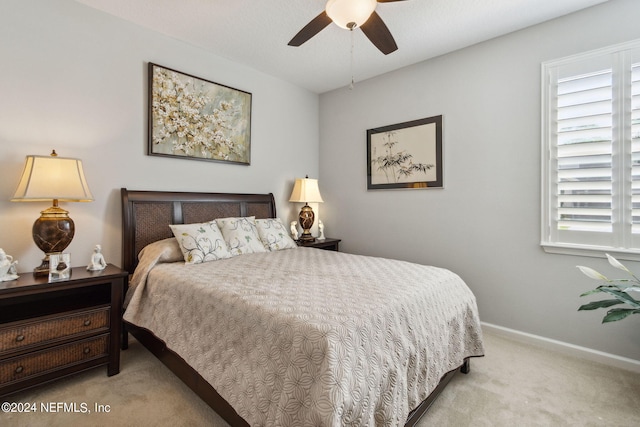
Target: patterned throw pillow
[[274, 234], [241, 235], [200, 242]]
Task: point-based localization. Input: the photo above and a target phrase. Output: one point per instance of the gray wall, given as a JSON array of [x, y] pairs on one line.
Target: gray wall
[[485, 223], [74, 79]]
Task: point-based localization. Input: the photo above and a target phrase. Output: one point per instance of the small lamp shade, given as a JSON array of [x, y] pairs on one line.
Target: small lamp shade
[[350, 14], [306, 191], [48, 178], [53, 179]]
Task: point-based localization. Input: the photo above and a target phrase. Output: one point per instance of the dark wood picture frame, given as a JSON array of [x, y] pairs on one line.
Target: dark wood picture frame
[[193, 118], [405, 155]]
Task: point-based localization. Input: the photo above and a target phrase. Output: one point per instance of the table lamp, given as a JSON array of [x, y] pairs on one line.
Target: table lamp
[[306, 191], [57, 179]]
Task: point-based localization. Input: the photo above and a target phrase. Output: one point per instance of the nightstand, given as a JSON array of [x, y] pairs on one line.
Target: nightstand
[[328, 244], [52, 330]]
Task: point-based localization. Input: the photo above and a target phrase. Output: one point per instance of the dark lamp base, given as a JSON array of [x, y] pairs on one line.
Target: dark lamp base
[[52, 232], [42, 269], [307, 238], [306, 219]]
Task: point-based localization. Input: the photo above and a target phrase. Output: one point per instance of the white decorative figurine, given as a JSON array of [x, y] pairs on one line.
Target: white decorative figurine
[[294, 230], [7, 267], [97, 260], [321, 230]]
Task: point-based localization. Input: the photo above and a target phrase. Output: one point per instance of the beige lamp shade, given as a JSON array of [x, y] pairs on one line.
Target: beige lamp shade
[[48, 178], [305, 190]]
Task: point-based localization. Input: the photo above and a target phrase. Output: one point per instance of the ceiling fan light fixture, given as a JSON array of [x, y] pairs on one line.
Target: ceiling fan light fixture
[[346, 13]]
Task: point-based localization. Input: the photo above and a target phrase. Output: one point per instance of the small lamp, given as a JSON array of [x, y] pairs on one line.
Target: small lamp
[[58, 179], [350, 14], [306, 191]]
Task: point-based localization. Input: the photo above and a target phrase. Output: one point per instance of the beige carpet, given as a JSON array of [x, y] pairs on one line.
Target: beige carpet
[[514, 385]]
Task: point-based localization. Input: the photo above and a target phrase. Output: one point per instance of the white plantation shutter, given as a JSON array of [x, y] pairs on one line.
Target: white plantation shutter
[[591, 152], [584, 132], [635, 145]]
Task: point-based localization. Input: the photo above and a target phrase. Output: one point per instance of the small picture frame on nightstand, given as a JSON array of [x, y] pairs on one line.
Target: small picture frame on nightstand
[[59, 267]]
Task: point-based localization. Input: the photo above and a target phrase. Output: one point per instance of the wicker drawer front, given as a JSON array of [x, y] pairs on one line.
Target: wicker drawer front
[[22, 335], [31, 364]]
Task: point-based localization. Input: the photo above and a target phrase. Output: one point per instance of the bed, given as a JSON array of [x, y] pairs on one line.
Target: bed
[[297, 336]]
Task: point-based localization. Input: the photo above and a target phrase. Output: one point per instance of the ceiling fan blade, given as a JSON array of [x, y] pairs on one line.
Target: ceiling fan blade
[[316, 25], [388, 1], [376, 31]]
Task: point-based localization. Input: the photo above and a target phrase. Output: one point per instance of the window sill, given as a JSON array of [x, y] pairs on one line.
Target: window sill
[[590, 251]]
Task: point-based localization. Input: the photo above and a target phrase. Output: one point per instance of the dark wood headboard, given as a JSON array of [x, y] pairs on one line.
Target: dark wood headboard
[[146, 215]]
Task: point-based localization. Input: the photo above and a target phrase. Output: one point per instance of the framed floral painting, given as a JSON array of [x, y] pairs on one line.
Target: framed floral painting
[[193, 118], [405, 155]]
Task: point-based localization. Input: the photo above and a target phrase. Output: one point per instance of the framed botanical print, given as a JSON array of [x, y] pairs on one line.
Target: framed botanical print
[[405, 155], [194, 118]]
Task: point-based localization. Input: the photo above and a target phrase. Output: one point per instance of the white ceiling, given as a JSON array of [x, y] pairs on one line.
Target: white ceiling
[[256, 32]]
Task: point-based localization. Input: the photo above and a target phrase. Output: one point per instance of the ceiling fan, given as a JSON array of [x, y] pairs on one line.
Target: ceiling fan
[[351, 14]]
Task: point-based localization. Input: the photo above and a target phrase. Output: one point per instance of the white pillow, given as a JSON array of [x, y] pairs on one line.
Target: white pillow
[[241, 235], [274, 234], [200, 242]]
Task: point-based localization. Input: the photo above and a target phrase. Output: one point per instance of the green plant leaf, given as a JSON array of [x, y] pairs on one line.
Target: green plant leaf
[[600, 289], [595, 291], [600, 304], [622, 296], [618, 314]]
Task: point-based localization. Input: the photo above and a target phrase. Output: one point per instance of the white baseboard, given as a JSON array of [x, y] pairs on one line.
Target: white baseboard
[[563, 347]]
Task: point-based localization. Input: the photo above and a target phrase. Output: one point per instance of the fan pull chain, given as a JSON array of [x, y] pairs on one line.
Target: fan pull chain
[[352, 45]]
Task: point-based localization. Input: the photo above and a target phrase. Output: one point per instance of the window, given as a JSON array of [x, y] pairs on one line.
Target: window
[[591, 152]]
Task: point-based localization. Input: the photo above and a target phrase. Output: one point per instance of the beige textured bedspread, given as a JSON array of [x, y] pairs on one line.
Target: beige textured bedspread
[[312, 337]]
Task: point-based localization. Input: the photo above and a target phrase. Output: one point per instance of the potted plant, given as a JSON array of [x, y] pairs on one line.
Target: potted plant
[[619, 289]]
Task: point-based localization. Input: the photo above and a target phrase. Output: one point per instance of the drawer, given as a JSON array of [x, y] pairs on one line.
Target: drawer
[[28, 365], [17, 335]]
